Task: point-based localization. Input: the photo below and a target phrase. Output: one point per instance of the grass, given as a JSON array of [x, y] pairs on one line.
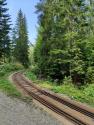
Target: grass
[[5, 85], [11, 91], [85, 94], [8, 88]]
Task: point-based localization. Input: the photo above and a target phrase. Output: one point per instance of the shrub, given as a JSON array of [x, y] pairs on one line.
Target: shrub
[[5, 68], [90, 74], [67, 80]]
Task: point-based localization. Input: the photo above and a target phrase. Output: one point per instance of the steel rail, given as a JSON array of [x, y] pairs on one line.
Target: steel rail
[[64, 101], [46, 102]]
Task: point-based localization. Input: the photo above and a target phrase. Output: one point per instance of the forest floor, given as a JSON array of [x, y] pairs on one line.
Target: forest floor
[[84, 94]]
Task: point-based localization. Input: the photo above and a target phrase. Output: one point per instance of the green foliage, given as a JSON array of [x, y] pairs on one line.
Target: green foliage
[[67, 80], [89, 90], [6, 68], [90, 74], [65, 46], [5, 85], [31, 54], [83, 94], [4, 31], [21, 47], [8, 88], [30, 75]]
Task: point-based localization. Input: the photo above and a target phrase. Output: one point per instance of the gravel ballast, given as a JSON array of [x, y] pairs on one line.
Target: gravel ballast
[[16, 112]]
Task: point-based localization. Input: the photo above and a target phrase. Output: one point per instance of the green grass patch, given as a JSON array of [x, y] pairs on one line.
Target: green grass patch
[[85, 94], [8, 88], [5, 85], [31, 75], [42, 83]]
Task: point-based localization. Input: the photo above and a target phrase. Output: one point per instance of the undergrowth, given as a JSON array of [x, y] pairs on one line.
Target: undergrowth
[[83, 94], [5, 85]]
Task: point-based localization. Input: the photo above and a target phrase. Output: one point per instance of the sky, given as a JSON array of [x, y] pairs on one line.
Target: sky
[[28, 8]]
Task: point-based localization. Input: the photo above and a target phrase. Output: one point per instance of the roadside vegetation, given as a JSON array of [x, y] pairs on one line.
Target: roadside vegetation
[[14, 46], [84, 94], [63, 57], [5, 85]]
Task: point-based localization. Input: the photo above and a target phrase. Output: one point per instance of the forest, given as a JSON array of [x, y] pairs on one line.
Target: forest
[[65, 42], [64, 48]]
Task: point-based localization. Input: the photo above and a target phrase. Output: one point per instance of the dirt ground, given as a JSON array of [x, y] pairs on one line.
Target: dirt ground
[[17, 112]]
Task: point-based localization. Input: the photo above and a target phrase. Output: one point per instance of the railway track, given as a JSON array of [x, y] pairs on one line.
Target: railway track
[[77, 113]]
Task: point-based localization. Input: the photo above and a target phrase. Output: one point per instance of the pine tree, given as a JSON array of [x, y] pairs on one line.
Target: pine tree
[[13, 43], [21, 49], [4, 30]]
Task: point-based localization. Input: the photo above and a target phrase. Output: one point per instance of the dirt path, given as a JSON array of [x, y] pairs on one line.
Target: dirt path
[[17, 112]]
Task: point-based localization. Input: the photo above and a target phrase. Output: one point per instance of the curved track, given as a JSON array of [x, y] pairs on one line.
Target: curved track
[[75, 112]]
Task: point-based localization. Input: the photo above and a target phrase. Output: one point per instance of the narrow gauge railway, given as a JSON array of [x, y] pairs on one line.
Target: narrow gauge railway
[[75, 112]]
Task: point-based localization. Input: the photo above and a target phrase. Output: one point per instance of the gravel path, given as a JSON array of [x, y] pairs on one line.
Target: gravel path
[[17, 112]]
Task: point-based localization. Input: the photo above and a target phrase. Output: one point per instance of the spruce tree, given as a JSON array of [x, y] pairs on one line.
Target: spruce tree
[[4, 30], [21, 49]]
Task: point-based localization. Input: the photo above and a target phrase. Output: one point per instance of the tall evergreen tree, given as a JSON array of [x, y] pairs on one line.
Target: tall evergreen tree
[[4, 30], [21, 49]]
